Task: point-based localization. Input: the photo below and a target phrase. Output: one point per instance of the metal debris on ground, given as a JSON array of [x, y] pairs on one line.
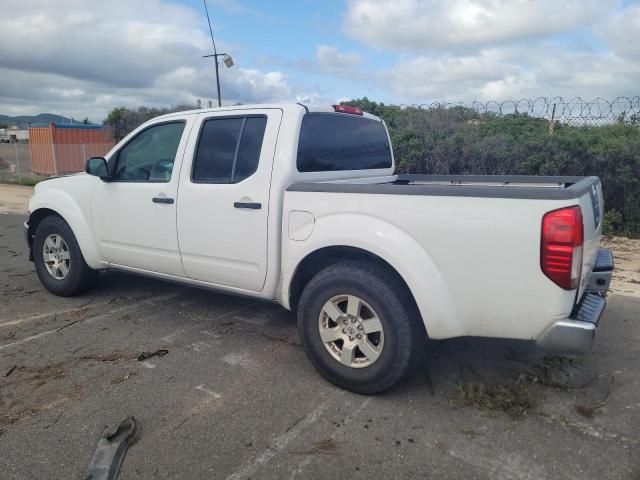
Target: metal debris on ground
[[159, 353], [110, 451]]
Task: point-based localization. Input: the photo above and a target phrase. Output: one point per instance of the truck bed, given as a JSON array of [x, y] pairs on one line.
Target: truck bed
[[489, 186], [476, 240]]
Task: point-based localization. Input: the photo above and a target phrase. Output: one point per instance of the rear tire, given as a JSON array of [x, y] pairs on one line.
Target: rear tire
[[58, 260], [337, 325]]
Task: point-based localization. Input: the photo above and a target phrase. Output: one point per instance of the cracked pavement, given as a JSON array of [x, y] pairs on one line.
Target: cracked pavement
[[235, 397]]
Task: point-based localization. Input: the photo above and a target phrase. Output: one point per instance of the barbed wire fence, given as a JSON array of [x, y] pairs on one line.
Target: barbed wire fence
[[575, 111]]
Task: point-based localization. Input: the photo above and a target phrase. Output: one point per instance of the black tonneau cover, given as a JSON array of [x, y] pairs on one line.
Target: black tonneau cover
[[488, 186]]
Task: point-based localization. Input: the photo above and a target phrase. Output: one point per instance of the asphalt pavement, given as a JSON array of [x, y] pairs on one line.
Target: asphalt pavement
[[236, 398]]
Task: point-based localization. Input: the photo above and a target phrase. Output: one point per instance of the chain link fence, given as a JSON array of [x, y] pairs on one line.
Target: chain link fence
[[28, 163], [15, 161]]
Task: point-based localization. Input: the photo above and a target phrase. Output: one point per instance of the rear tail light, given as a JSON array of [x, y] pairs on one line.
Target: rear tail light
[[561, 249], [347, 109]]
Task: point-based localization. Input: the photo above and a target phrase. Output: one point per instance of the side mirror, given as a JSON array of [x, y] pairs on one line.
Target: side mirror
[[97, 166]]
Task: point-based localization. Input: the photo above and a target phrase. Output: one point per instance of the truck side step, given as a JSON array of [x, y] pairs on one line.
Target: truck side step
[[600, 277]]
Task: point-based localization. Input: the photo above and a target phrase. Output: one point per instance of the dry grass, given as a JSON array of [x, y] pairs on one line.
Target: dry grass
[[513, 399], [517, 396]]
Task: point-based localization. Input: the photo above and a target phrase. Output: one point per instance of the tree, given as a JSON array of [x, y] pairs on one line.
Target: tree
[[122, 120], [118, 122]]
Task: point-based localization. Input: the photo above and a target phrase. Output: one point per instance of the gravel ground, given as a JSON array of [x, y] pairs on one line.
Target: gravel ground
[[236, 398]]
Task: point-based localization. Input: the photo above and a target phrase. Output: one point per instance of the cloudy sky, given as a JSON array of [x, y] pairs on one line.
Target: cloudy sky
[[84, 57]]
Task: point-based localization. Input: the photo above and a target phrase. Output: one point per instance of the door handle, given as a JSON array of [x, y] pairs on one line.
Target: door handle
[[162, 200], [251, 205]]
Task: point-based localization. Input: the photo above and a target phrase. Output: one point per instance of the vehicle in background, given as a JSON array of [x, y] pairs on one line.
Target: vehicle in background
[[13, 135]]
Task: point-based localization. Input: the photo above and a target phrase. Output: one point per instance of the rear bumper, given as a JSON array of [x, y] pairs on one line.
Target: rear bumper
[[577, 333]]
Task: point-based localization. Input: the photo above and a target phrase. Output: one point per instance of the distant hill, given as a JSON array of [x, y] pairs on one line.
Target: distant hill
[[23, 121]]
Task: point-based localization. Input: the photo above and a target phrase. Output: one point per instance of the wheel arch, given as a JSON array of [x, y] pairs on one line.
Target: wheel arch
[[324, 257], [32, 225], [56, 203]]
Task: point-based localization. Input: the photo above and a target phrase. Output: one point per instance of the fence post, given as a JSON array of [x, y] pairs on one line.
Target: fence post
[[17, 159], [84, 153], [55, 163], [552, 121]]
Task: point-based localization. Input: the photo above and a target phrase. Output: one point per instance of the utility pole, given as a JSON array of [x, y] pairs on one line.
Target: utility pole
[[215, 57]]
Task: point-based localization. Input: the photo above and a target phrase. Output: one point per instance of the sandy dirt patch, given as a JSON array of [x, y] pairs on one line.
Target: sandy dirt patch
[[14, 198], [626, 272]]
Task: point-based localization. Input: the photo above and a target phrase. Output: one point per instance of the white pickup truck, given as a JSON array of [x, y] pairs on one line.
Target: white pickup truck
[[299, 204]]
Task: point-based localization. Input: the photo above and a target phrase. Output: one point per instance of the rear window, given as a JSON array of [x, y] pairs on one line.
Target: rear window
[[331, 142]]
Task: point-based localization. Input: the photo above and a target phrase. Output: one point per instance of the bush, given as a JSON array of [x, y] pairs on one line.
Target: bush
[[460, 141], [612, 222]]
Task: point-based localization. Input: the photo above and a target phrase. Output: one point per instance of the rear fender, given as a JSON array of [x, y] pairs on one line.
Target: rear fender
[[387, 241]]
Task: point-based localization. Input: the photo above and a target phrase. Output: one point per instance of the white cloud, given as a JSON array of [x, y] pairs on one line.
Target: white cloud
[[88, 57], [465, 50], [623, 31], [84, 58], [330, 60], [423, 78], [453, 24], [504, 73]]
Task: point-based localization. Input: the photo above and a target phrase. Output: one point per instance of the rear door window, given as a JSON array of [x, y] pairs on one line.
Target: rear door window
[[228, 149], [334, 141]]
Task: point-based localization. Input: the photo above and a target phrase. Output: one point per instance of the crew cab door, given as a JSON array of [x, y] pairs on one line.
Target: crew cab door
[[134, 212], [224, 197]]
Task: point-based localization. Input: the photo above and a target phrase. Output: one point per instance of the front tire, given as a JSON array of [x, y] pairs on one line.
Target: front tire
[[58, 260], [359, 327]]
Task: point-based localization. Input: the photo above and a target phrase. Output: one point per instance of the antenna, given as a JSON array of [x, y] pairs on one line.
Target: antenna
[[228, 61], [206, 10]]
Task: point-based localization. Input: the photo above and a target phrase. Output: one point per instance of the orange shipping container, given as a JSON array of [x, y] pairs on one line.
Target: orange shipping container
[[58, 149]]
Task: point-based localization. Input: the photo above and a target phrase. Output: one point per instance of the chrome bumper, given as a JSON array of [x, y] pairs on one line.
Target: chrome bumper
[[576, 333]]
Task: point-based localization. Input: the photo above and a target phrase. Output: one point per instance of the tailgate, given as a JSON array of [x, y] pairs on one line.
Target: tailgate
[[592, 212]]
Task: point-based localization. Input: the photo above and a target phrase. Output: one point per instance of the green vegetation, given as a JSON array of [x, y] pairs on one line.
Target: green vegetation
[[458, 140], [123, 120]]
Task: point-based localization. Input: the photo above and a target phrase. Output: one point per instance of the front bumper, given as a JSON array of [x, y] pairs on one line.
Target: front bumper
[[576, 334]]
